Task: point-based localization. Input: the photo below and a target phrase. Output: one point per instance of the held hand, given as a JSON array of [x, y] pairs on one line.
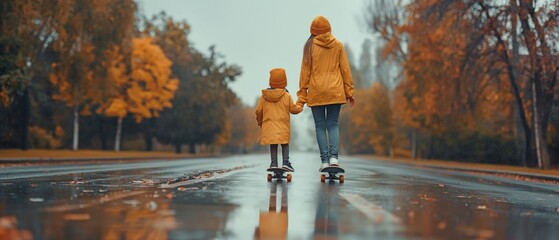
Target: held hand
[[351, 101]]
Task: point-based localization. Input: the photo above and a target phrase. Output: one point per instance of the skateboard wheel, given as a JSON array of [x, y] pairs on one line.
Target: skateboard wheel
[[269, 177], [289, 177], [342, 179], [322, 178]]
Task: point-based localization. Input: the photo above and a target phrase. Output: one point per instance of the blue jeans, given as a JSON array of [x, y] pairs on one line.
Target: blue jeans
[[327, 130]]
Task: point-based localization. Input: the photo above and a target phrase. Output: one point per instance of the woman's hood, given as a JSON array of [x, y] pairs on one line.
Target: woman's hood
[[326, 40]]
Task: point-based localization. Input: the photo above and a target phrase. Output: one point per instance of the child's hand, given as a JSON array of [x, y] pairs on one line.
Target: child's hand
[[300, 107]]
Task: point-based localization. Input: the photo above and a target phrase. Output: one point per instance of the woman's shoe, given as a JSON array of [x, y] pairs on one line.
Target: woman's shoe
[[324, 165], [334, 162]]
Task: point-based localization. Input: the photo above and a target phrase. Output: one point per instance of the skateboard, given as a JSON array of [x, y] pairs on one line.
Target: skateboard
[[332, 171], [278, 174]]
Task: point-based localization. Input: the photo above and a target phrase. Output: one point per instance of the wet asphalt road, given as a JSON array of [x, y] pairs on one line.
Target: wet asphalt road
[[229, 198]]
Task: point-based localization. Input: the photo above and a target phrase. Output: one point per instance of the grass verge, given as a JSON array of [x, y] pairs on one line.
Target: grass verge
[[467, 166]]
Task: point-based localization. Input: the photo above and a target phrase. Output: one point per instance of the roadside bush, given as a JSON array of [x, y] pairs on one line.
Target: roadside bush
[[473, 147], [40, 138]]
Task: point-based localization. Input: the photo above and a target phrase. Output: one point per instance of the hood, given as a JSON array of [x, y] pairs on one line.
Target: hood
[[326, 40], [273, 95]]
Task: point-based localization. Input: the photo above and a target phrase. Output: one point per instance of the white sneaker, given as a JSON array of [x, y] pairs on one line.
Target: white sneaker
[[334, 162], [324, 165]]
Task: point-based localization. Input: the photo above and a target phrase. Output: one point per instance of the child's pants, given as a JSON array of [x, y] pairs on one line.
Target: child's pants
[[284, 152]]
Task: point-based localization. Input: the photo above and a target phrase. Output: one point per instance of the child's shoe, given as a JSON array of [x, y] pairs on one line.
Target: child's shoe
[[287, 166], [334, 162], [274, 164]]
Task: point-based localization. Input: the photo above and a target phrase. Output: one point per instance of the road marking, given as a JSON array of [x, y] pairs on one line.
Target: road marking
[[371, 210]]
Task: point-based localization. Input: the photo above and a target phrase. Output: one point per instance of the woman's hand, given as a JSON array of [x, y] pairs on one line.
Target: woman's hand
[[351, 101]]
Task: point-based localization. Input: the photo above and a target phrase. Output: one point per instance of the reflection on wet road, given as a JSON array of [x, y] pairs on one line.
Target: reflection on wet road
[[230, 198]]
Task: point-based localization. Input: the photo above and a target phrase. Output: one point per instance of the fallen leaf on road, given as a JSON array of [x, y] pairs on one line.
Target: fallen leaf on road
[[482, 207], [77, 217], [36, 199], [441, 185], [88, 191], [411, 214], [131, 202], [526, 214], [380, 218], [441, 225], [426, 198]]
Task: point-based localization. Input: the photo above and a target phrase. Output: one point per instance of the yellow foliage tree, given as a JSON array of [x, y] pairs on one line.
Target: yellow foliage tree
[[146, 90]]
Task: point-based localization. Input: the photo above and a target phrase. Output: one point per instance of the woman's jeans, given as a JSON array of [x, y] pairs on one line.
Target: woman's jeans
[[327, 130]]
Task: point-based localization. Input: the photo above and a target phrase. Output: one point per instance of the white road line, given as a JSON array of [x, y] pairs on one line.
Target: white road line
[[371, 210]]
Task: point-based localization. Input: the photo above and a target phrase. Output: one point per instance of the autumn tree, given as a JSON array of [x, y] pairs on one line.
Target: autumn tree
[[494, 44], [199, 114], [20, 49], [172, 36], [439, 92], [244, 132], [80, 45], [148, 88], [369, 128]]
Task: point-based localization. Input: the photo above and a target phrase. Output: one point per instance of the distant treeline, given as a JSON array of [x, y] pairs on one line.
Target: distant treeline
[[90, 73], [469, 80]]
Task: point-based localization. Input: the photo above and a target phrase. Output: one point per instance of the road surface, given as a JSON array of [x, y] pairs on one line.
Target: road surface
[[229, 198]]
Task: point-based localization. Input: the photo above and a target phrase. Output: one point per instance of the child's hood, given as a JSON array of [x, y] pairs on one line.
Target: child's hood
[[273, 95]]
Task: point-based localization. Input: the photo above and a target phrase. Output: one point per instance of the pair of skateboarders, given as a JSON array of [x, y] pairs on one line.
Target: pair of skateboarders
[[325, 84], [273, 115]]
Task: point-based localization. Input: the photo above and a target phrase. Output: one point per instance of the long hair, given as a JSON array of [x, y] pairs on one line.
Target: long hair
[[307, 51]]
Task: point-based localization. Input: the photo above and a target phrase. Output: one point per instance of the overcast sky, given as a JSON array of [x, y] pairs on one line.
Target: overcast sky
[[259, 35]]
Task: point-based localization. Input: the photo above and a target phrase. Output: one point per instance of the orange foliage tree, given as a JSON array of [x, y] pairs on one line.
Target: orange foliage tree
[[146, 90], [79, 81], [370, 126], [456, 86]]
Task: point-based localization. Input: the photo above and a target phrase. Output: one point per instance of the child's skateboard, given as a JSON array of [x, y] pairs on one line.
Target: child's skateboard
[[278, 174], [332, 171]]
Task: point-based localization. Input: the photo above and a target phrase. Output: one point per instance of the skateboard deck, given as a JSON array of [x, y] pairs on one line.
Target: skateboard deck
[[332, 174], [278, 174]]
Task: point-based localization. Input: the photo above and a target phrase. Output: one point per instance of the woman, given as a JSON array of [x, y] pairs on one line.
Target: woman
[[324, 85]]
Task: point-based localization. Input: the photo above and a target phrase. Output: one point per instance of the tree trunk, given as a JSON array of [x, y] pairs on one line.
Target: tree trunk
[[102, 132], [413, 144], [542, 153], [178, 148], [515, 88], [192, 148], [25, 116], [118, 134], [519, 133], [148, 134], [75, 136]]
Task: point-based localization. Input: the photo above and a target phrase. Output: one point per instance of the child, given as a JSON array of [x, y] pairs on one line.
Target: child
[[272, 114]]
